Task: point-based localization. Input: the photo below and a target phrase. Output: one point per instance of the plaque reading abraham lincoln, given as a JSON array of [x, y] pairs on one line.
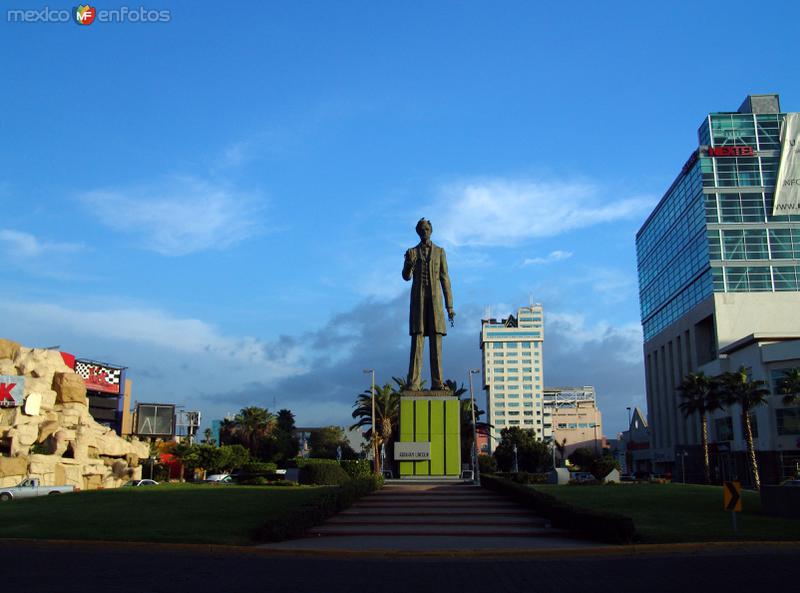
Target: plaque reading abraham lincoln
[[426, 265]]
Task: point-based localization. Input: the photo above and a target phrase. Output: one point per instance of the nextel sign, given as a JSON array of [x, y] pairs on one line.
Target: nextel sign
[[12, 391], [730, 151]]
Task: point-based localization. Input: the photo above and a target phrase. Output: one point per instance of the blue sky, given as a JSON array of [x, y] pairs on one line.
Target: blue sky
[[222, 202]]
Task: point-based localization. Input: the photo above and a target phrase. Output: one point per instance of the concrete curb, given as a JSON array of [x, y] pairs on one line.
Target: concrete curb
[[608, 551]]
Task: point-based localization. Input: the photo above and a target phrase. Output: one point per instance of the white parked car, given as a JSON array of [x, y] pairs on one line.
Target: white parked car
[[219, 479], [134, 483]]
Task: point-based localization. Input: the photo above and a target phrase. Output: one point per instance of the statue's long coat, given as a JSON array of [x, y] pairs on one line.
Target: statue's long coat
[[439, 277]]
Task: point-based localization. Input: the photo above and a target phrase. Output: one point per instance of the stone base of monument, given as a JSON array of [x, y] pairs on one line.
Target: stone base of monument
[[430, 435]]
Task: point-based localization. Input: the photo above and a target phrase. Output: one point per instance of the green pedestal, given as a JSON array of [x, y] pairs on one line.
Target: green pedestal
[[431, 417]]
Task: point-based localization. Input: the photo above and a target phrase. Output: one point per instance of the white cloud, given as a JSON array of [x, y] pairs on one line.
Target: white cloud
[[612, 285], [575, 333], [508, 212], [553, 256], [28, 246], [182, 216], [157, 329]]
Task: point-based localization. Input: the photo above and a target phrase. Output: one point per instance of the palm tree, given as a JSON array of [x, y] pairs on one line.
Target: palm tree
[[387, 415], [208, 435], [465, 406], [789, 386], [286, 420], [561, 448], [737, 388], [700, 395], [250, 426]]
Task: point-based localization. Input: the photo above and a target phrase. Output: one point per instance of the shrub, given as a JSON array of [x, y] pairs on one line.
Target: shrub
[[487, 464], [606, 527], [582, 458], [254, 481], [357, 468], [602, 466], [323, 474]]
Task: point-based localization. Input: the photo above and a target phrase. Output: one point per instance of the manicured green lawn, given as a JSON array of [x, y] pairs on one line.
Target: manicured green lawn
[[190, 513], [679, 513]]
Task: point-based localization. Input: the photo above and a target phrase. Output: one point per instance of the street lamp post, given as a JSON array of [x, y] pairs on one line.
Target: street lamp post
[[684, 453], [374, 428], [476, 472]]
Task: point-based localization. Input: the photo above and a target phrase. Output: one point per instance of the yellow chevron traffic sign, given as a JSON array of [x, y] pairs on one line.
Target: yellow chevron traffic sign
[[731, 496]]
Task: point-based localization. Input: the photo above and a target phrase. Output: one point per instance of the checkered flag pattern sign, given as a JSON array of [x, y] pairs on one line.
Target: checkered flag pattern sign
[[99, 377]]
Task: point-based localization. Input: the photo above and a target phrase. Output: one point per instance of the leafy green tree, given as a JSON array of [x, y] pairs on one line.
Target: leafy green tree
[[325, 441], [737, 388], [236, 456], [789, 386], [700, 395], [532, 455]]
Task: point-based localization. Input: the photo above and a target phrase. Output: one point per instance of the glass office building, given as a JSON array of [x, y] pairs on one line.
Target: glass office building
[[713, 231], [718, 275]]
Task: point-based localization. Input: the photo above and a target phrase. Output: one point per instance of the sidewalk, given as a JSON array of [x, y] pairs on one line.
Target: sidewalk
[[433, 516]]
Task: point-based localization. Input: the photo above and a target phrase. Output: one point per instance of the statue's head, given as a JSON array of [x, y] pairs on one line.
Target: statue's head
[[424, 229]]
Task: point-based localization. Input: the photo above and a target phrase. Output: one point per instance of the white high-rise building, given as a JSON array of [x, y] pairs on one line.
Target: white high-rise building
[[513, 372]]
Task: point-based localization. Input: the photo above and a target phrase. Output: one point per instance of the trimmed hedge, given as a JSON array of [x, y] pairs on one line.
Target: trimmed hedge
[[259, 468], [257, 473], [295, 522], [301, 462], [606, 527], [524, 477], [323, 474]]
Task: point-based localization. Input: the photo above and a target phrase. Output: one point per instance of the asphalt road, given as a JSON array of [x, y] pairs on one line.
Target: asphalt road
[[33, 567]]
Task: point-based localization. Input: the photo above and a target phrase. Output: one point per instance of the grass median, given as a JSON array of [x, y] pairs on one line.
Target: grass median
[[669, 513], [176, 513]]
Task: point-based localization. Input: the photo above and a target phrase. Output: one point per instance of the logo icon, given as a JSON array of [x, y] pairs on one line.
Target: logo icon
[[84, 14]]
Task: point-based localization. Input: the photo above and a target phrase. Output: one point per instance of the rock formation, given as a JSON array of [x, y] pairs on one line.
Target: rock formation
[[51, 435]]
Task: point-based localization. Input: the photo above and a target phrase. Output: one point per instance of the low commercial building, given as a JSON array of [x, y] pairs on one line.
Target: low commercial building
[[574, 418]]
